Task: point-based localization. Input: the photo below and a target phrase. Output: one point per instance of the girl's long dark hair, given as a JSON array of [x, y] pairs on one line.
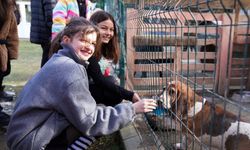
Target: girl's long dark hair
[[76, 25], [111, 49]]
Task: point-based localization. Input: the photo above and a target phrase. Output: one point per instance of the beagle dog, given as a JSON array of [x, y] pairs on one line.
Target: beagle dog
[[213, 125]]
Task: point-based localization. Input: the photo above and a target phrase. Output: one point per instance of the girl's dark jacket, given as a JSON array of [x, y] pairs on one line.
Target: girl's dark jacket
[[116, 92]]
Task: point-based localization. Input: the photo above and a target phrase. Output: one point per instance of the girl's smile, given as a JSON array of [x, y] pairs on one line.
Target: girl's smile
[[84, 47], [107, 30]]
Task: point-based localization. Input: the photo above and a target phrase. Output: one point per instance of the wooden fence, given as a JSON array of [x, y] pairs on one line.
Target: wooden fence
[[199, 47]]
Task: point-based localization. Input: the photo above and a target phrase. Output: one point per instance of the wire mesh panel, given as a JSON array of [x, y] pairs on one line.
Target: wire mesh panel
[[116, 9], [192, 56]]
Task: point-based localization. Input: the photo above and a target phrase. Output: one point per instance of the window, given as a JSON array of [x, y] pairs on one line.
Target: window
[[28, 12]]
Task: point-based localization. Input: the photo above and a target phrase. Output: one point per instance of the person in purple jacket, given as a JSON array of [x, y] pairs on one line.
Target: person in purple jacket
[[57, 100]]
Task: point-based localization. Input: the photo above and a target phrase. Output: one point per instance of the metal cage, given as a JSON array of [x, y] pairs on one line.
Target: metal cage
[[203, 44]]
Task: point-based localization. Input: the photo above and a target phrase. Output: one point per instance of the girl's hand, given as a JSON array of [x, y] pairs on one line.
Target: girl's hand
[[136, 98], [144, 105]]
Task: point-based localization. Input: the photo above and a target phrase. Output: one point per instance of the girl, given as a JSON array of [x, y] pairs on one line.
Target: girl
[[66, 9], [56, 102], [108, 57]]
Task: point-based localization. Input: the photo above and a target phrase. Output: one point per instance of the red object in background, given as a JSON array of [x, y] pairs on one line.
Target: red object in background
[[107, 72]]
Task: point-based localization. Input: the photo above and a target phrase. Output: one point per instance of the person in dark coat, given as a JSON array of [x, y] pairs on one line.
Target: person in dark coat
[[41, 22]]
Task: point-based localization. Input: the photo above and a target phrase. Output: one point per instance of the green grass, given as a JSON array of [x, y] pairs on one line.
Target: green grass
[[27, 64]]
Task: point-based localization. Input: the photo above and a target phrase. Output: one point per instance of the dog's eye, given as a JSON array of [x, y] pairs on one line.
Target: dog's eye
[[171, 92]]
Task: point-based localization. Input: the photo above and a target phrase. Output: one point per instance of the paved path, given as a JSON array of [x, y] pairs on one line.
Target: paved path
[[8, 107]]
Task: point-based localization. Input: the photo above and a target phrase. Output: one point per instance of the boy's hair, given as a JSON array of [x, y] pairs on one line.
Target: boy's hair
[[76, 25], [111, 49]]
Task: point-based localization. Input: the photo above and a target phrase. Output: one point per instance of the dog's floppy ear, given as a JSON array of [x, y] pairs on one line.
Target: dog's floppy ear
[[178, 102], [178, 93]]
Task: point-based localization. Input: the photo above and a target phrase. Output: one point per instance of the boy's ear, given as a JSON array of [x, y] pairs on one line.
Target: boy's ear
[[65, 39]]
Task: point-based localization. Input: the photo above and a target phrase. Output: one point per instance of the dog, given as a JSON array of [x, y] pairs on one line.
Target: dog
[[207, 120]]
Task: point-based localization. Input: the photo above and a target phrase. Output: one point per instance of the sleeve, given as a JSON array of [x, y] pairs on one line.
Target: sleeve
[[12, 39], [94, 71], [80, 109], [59, 17], [48, 6]]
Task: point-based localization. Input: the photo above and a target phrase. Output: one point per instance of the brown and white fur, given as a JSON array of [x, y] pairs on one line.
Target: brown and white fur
[[199, 115]]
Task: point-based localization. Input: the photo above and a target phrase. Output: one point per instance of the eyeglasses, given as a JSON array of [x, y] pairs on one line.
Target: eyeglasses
[[88, 43]]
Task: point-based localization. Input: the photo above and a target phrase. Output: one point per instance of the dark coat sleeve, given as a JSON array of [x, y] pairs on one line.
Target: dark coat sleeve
[[48, 8], [41, 21], [95, 73]]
